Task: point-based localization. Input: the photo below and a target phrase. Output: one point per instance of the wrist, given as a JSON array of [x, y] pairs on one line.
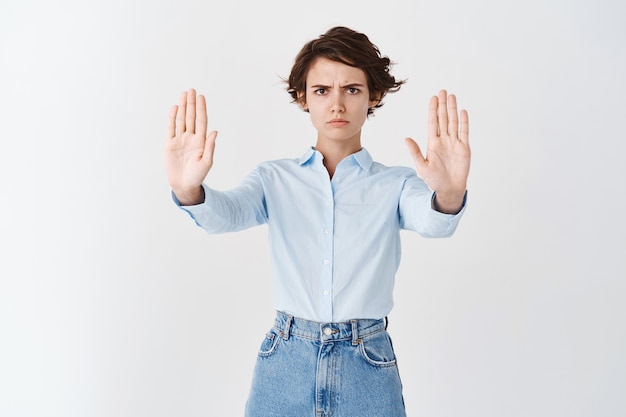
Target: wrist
[[449, 202], [189, 197]]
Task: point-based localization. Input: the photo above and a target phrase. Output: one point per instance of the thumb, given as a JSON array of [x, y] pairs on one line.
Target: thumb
[[416, 153], [209, 147]]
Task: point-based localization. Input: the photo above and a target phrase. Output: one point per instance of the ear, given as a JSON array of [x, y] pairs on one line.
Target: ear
[[302, 101], [375, 101]]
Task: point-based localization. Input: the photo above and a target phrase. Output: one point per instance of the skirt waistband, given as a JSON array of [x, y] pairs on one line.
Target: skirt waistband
[[349, 330]]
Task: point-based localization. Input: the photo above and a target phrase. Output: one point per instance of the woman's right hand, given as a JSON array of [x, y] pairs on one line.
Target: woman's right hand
[[188, 148]]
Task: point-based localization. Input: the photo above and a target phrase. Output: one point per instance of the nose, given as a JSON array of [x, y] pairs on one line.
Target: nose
[[337, 103]]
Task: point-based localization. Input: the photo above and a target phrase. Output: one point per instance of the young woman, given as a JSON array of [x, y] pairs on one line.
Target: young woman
[[334, 218]]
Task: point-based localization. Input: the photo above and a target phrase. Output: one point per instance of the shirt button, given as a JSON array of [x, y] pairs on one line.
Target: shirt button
[[328, 331], [326, 261], [327, 231], [325, 292]]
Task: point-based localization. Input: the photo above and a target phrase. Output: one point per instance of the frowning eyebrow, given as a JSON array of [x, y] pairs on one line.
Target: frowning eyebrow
[[351, 85]]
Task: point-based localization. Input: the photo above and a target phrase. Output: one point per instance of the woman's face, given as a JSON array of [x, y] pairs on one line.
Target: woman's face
[[337, 98]]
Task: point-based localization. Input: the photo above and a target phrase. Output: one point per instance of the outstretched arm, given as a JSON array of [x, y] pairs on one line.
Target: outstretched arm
[[188, 148], [446, 165]]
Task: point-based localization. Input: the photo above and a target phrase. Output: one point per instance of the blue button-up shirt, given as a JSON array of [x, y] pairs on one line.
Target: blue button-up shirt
[[335, 243]]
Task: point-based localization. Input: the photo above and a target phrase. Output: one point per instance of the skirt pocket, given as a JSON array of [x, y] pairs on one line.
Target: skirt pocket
[[377, 350], [269, 344]]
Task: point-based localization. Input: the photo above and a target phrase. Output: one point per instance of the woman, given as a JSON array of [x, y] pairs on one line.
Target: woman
[[334, 218]]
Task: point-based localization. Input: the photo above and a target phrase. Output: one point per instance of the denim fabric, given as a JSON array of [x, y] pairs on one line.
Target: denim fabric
[[306, 368]]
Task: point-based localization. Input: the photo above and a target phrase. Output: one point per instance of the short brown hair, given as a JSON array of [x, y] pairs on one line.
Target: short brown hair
[[349, 47]]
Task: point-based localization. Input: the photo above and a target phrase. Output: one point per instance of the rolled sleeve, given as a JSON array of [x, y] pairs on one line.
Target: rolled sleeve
[[230, 211], [417, 212]]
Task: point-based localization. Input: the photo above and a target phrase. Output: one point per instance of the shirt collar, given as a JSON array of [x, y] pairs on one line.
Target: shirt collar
[[308, 155], [362, 157]]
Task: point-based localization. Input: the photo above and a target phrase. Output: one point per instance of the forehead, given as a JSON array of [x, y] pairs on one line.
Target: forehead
[[328, 72]]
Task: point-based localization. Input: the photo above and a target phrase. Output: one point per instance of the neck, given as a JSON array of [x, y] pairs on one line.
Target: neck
[[336, 153]]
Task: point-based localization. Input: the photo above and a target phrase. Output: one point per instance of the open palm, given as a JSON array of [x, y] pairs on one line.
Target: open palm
[[188, 148], [446, 165]]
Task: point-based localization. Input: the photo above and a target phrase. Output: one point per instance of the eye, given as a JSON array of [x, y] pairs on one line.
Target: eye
[[320, 91], [353, 90]]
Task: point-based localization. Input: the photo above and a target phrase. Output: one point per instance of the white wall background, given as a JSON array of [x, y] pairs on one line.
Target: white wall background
[[113, 304]]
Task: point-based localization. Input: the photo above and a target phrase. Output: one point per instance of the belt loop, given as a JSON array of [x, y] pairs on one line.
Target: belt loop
[[386, 322], [287, 327], [355, 333]]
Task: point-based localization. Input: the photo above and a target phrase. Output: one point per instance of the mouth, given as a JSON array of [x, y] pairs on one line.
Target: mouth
[[338, 122]]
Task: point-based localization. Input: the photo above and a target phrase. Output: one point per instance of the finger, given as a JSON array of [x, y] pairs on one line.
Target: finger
[[201, 116], [453, 117], [464, 127], [190, 117], [442, 112], [416, 153], [433, 127], [180, 114], [171, 123]]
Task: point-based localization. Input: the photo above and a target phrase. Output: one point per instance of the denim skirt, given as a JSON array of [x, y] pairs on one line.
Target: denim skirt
[[311, 369]]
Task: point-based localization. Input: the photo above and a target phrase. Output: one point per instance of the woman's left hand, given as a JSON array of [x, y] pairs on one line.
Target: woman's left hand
[[446, 165]]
